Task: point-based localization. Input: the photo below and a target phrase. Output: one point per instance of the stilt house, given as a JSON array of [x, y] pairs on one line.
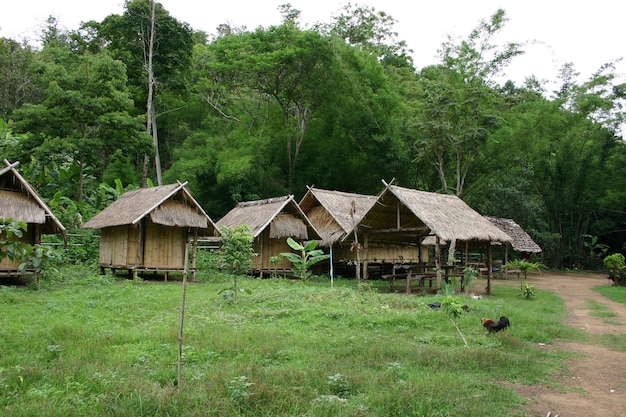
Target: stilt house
[[149, 230], [19, 201], [406, 215], [335, 214], [271, 222]]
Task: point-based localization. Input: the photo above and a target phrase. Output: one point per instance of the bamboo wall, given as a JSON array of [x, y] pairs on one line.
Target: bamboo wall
[[266, 247], [150, 246], [164, 247], [120, 246], [383, 254]]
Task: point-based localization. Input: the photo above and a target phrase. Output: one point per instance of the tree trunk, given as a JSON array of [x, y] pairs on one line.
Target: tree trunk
[[151, 127]]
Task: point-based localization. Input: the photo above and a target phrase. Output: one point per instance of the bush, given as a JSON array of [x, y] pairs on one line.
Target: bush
[[615, 264]]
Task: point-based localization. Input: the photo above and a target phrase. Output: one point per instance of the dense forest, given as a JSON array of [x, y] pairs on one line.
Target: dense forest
[[142, 98]]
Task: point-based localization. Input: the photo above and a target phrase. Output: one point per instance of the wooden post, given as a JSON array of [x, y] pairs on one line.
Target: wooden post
[[332, 278], [489, 268], [438, 261], [182, 320], [466, 253], [365, 260], [194, 254]]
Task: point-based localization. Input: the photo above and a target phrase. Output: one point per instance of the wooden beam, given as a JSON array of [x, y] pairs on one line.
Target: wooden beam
[[402, 230]]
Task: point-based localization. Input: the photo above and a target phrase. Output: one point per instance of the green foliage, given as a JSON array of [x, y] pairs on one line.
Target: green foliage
[[453, 307], [236, 249], [307, 257], [447, 288], [524, 266], [41, 260], [469, 276], [338, 385], [34, 258], [236, 254], [240, 392], [615, 264], [11, 246], [527, 291]]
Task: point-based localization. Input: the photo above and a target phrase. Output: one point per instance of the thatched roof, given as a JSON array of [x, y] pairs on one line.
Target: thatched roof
[[168, 205], [522, 242], [281, 214], [334, 213], [403, 213], [20, 201]]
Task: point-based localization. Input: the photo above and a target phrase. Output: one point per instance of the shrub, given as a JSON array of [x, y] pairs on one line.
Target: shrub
[[615, 264]]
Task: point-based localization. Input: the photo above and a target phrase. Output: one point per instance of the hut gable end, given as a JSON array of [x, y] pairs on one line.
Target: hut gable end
[[20, 201], [335, 213]]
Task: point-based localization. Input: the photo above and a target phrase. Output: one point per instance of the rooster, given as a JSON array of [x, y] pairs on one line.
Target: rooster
[[493, 327]]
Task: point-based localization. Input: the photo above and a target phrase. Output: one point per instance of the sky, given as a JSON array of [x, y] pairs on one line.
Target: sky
[[555, 32]]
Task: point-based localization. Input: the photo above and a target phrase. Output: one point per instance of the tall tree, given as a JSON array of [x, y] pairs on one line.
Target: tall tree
[[156, 48], [16, 80], [283, 64], [84, 116], [459, 103]]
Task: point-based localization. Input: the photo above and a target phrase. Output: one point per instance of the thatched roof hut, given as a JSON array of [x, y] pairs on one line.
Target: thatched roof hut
[[19, 201], [148, 228], [335, 214], [271, 222], [407, 215], [403, 213], [520, 240]]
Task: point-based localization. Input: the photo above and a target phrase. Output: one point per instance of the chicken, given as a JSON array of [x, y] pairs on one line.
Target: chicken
[[493, 327]]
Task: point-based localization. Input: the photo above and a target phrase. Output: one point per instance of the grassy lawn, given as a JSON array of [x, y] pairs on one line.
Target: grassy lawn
[[102, 346], [617, 294]]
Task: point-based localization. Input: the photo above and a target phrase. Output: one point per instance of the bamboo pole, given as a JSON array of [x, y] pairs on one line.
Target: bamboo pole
[[182, 320], [194, 254], [489, 268]]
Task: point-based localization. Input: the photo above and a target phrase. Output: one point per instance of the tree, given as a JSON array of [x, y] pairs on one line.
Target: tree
[[284, 64], [16, 81], [157, 51], [236, 253], [372, 31], [459, 103], [84, 117]]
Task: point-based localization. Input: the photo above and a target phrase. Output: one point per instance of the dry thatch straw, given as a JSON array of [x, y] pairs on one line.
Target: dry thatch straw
[[287, 225], [335, 213], [521, 241], [281, 214], [447, 216], [168, 205], [18, 206], [19, 201]]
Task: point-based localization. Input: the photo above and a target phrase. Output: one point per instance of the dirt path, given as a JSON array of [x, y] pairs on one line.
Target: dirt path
[[594, 385]]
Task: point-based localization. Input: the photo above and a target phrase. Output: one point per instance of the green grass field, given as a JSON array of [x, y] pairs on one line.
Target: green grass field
[[96, 345]]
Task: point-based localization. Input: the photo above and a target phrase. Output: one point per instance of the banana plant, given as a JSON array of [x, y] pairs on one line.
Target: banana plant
[[304, 260]]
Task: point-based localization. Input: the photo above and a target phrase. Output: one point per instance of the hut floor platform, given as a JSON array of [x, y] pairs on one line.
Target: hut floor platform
[[133, 272]]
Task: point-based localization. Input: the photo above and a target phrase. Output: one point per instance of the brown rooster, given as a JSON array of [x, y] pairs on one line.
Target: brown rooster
[[493, 326]]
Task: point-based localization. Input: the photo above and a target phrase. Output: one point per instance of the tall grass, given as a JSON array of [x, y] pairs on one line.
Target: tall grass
[[103, 346]]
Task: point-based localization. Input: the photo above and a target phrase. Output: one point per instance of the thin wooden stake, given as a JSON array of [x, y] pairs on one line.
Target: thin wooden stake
[[182, 320]]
